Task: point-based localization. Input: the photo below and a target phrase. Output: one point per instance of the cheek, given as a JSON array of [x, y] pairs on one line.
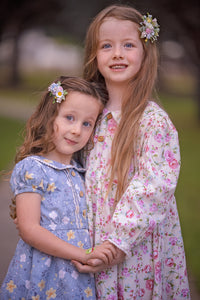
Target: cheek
[[87, 137], [100, 61]]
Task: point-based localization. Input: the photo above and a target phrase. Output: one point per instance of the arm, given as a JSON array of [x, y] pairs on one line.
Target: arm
[[150, 193], [28, 219]]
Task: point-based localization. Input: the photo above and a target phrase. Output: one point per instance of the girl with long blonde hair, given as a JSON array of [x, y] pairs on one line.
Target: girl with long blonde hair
[[133, 169]]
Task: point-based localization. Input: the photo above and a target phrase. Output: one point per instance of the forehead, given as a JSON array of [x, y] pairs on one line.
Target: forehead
[[80, 102], [116, 27]]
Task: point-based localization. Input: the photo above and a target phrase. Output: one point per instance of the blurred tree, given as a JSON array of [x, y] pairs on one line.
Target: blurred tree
[[18, 15], [179, 21]]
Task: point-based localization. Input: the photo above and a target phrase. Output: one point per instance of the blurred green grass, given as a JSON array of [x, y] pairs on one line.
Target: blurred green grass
[[11, 137], [183, 113]]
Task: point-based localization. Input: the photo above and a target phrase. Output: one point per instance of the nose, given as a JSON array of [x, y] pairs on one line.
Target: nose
[[76, 129], [118, 52]]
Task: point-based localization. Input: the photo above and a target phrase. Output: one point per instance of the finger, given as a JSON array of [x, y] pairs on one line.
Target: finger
[[112, 248], [83, 268], [95, 262], [104, 257], [110, 252]]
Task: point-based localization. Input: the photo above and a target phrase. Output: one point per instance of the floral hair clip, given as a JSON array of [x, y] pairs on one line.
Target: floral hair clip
[[57, 91], [149, 28]]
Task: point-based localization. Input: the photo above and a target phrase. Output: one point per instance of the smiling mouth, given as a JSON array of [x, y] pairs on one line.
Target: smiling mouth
[[118, 67], [71, 142]]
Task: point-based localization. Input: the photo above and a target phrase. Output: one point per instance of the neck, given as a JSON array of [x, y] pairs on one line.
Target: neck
[[115, 93]]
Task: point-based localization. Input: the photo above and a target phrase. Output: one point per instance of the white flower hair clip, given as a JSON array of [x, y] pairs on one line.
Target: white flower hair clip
[[57, 91], [149, 29]]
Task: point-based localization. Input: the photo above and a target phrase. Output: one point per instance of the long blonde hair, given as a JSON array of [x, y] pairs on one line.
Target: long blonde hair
[[139, 91]]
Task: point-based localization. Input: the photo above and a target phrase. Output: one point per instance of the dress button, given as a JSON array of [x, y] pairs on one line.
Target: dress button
[[100, 138], [109, 116], [81, 194], [73, 173]]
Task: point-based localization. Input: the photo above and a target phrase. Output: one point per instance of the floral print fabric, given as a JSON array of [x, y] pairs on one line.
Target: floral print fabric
[[145, 222], [35, 275]]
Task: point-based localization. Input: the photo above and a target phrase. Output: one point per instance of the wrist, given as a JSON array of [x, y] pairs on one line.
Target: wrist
[[90, 250]]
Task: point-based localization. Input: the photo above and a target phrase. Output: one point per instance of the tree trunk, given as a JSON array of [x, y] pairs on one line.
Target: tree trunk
[[15, 78]]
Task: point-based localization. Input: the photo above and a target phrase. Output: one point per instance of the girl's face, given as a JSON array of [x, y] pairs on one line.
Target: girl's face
[[73, 125], [120, 51]]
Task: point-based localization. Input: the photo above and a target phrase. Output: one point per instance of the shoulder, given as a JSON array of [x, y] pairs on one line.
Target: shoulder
[[153, 109], [28, 164], [155, 116], [27, 175]]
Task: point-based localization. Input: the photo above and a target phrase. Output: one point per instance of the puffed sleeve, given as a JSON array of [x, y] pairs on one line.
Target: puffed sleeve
[[147, 198], [28, 176]]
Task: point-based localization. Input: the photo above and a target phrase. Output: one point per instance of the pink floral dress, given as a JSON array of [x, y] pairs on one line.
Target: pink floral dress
[[145, 222]]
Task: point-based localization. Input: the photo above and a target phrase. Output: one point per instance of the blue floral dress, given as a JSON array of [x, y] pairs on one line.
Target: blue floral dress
[[36, 275]]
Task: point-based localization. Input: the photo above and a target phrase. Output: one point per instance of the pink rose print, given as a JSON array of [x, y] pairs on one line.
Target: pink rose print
[[111, 201], [120, 292], [168, 137], [168, 288], [94, 207], [158, 272], [154, 207], [147, 269], [132, 232], [141, 203], [112, 297], [158, 266], [117, 241], [173, 164], [169, 155], [158, 137], [141, 292], [103, 275], [112, 126], [125, 272], [95, 138], [130, 214], [185, 292], [152, 224], [155, 253], [149, 284], [169, 262], [173, 241]]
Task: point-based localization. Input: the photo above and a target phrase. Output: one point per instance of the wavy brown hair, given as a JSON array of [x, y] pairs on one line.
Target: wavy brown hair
[[139, 91], [39, 127]]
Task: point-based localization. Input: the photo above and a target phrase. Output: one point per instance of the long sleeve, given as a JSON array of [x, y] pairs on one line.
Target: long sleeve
[[147, 199]]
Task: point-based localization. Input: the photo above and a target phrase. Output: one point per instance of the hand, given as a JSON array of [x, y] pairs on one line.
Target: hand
[[96, 265], [105, 252]]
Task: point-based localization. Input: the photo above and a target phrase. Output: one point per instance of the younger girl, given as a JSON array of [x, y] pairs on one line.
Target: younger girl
[[50, 198], [134, 166]]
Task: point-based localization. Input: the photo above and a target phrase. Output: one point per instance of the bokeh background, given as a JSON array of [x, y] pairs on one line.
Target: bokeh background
[[42, 39]]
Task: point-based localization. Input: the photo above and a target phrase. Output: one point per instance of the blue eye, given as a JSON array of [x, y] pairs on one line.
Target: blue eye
[[129, 45], [106, 46], [87, 124], [70, 118]]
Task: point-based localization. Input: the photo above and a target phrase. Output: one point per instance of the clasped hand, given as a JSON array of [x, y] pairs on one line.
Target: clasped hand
[[103, 257]]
